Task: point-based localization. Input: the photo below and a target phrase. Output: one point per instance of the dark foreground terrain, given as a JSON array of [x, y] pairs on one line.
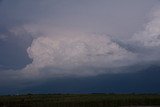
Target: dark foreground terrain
[[80, 100]]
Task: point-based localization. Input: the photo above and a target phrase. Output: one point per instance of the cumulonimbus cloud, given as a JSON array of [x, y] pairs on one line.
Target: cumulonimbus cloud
[[69, 54], [84, 54]]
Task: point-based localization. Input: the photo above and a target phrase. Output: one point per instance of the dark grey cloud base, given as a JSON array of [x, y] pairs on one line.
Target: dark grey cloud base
[[139, 82]]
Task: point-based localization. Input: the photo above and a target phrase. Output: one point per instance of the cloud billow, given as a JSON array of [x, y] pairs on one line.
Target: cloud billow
[[84, 54], [61, 46], [150, 36], [71, 53]]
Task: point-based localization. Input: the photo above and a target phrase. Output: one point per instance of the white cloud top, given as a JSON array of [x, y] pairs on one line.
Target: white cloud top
[[150, 37], [73, 52], [61, 45]]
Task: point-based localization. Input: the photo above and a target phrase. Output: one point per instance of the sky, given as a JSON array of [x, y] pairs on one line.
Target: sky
[[79, 46]]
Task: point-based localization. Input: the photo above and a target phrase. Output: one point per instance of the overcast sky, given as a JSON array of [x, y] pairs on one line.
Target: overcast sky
[[48, 42]]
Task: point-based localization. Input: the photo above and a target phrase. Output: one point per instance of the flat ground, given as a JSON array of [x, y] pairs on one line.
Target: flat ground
[[80, 100]]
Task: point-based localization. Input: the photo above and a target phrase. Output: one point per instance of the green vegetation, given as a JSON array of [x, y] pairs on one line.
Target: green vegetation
[[79, 100]]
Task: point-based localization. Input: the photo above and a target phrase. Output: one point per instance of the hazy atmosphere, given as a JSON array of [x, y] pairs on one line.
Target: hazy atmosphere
[[79, 46]]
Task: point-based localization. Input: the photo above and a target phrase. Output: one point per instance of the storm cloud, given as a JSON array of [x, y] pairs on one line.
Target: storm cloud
[[79, 52], [81, 38]]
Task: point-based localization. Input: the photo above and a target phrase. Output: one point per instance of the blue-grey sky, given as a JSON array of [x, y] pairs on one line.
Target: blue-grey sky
[[107, 44]]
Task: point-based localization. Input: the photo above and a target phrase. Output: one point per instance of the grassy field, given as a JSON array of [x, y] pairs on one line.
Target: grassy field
[[79, 100]]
